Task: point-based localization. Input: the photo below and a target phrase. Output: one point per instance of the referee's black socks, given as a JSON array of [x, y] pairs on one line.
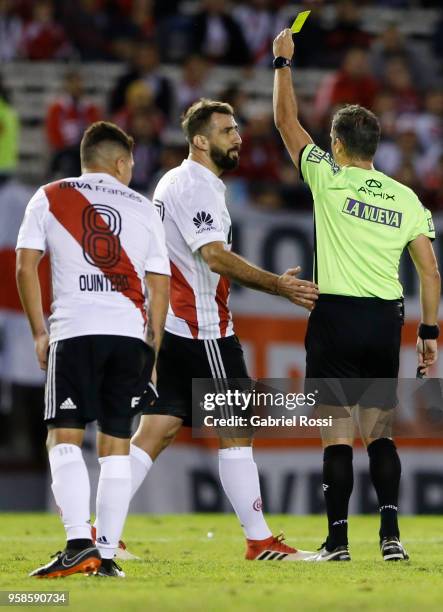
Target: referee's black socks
[[385, 471], [338, 481]]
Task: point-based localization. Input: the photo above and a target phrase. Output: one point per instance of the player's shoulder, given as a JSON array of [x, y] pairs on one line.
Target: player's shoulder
[[40, 195], [179, 177], [178, 185], [399, 191], [74, 182], [313, 155], [151, 210], [168, 179]]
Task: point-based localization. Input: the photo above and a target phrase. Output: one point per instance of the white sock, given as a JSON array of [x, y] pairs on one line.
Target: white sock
[[239, 478], [70, 485], [113, 495], [141, 463]]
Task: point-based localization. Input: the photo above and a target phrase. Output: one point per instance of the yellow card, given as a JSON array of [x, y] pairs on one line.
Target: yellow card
[[299, 22]]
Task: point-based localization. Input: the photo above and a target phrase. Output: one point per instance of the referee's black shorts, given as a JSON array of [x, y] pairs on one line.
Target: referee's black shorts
[[182, 359], [355, 338]]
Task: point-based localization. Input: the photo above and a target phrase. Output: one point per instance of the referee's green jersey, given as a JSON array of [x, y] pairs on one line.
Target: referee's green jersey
[[363, 221]]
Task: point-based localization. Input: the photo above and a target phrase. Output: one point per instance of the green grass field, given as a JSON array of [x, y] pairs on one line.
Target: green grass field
[[185, 570]]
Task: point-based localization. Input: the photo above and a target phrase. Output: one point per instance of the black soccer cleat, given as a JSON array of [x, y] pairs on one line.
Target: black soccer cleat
[[339, 553], [110, 569], [70, 561], [392, 550]]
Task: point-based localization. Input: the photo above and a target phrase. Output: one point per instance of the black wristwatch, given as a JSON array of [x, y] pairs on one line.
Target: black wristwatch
[[428, 332], [281, 62]]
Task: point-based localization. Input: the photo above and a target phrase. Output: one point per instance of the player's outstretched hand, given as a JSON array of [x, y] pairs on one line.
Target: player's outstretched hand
[[427, 354], [296, 290], [284, 45], [41, 343]]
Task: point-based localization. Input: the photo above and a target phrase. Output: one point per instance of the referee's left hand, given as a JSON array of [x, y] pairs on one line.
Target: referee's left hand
[[298, 291], [427, 354]]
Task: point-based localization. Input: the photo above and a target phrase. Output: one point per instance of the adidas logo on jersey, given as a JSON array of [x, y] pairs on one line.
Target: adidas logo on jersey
[[68, 404], [203, 218]]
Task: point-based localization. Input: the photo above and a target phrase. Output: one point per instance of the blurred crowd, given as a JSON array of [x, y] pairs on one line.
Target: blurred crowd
[[399, 77]]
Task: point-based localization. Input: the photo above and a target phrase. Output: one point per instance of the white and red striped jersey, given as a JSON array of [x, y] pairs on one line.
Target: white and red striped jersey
[[101, 237], [191, 202]]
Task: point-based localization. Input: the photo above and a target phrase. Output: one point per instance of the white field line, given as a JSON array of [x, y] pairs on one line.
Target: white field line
[[217, 536]]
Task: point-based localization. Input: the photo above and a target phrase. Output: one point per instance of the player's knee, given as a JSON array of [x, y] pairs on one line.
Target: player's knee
[[379, 445], [167, 439], [110, 445], [153, 444], [235, 442], [327, 442], [64, 436]]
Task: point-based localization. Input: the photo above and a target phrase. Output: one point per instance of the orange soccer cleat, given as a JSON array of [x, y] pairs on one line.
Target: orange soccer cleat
[[274, 549], [67, 562]]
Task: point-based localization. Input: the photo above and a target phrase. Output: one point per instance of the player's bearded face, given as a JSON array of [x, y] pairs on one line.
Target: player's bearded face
[[225, 159]]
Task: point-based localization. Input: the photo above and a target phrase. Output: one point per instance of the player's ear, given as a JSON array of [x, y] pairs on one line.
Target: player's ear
[[338, 146], [119, 165], [200, 142]]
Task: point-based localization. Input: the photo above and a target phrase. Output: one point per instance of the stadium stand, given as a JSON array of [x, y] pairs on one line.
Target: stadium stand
[[401, 40]]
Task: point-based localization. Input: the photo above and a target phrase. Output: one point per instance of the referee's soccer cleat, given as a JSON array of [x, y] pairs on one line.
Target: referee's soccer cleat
[[339, 553], [392, 550], [273, 549], [122, 552], [67, 562], [110, 569]]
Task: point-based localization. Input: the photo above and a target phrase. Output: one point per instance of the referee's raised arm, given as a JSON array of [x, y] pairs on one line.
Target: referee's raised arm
[[286, 120]]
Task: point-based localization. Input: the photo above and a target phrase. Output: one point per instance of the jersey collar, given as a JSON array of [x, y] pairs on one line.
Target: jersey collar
[[102, 177], [205, 173]]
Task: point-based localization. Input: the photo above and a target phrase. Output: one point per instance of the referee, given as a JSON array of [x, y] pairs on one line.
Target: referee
[[363, 222]]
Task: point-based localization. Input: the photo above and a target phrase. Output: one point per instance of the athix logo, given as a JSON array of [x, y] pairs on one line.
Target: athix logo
[[368, 212], [68, 404], [373, 189], [373, 183], [203, 219]]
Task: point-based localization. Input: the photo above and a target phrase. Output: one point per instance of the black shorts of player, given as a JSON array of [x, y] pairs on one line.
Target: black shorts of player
[[354, 338], [96, 377], [182, 359]]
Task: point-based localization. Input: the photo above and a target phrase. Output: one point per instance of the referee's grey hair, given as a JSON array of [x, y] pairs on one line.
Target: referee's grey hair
[[358, 130], [198, 116]]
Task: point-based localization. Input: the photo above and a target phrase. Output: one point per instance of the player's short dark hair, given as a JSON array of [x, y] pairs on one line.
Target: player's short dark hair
[[358, 129], [99, 133], [198, 116]]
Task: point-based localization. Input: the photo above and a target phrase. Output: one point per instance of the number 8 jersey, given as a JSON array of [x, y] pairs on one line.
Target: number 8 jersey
[[102, 237]]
